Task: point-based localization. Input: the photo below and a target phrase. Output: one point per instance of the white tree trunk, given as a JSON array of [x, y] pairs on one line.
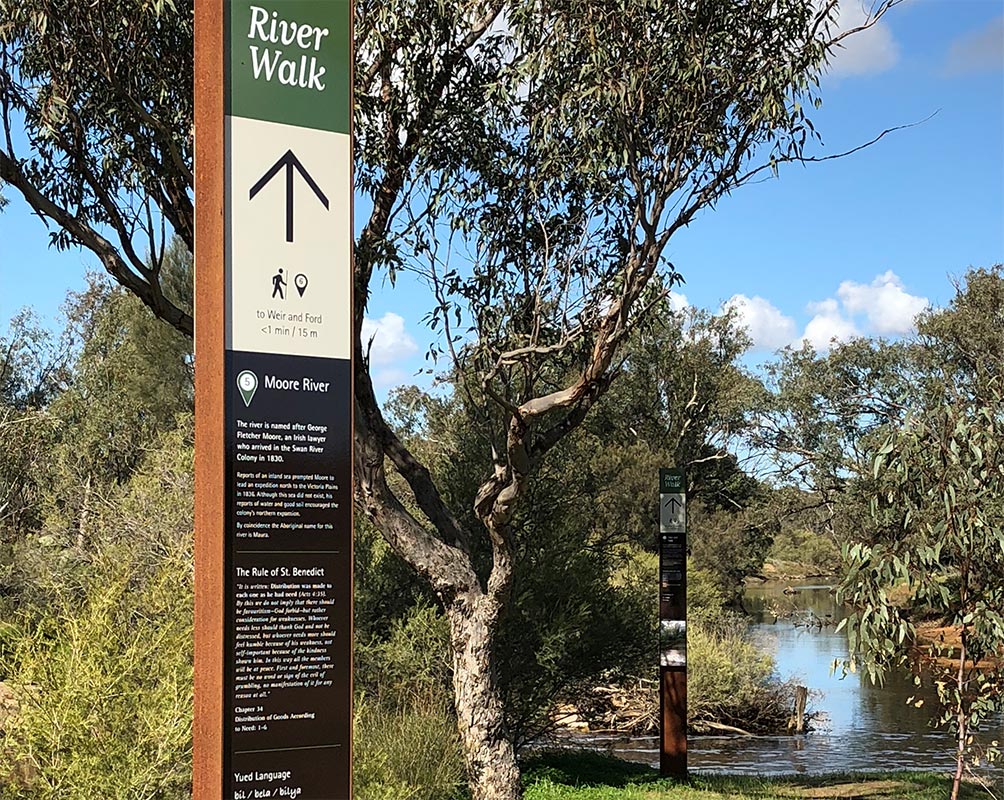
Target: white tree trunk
[[488, 750]]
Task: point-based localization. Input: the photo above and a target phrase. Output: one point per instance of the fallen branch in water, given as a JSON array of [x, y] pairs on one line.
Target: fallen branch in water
[[718, 726]]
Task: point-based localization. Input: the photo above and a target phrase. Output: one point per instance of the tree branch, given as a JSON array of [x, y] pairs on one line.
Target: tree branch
[[107, 253]]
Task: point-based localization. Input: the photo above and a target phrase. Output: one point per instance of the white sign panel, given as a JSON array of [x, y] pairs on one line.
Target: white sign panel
[[673, 513], [288, 267]]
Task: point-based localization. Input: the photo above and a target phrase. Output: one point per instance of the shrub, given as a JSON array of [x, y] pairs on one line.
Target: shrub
[[413, 661], [729, 680], [102, 673], [104, 689]]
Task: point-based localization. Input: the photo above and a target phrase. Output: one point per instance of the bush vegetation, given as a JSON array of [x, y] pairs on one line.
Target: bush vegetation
[[101, 670], [729, 681], [96, 532], [796, 547]]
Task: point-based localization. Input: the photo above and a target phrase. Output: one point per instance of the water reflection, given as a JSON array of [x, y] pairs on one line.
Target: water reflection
[[861, 727]]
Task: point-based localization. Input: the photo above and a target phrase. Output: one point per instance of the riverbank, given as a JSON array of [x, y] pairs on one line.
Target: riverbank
[[949, 637], [779, 571], [590, 776]]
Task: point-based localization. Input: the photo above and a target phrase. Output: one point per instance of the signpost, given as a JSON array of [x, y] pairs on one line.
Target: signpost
[[274, 400], [673, 621]]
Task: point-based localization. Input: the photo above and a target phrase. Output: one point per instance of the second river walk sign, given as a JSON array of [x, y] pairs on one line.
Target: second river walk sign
[[287, 531]]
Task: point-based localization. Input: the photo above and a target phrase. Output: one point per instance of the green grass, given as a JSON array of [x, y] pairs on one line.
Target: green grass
[[591, 776]]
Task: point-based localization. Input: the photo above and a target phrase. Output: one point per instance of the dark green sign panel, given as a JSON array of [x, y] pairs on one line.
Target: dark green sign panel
[[672, 480], [289, 62]]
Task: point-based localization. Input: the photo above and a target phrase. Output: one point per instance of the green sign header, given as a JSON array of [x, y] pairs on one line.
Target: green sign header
[[290, 62], [672, 481]]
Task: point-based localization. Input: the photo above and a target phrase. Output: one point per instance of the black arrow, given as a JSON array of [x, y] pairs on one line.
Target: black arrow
[[289, 161], [673, 504]]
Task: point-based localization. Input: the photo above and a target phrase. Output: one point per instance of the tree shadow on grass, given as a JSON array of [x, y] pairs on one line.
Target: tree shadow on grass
[[585, 768]]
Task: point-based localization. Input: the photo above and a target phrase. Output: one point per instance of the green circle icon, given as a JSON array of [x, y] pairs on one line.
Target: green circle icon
[[247, 383]]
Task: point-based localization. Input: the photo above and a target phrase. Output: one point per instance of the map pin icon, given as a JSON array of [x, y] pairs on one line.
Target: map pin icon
[[300, 282], [247, 382]]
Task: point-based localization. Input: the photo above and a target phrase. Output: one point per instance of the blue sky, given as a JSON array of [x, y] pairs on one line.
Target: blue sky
[[852, 246]]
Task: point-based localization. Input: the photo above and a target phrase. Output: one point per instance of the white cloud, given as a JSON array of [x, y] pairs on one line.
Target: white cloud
[[678, 301], [888, 307], [827, 325], [979, 51], [767, 326], [389, 378], [866, 52], [881, 308], [391, 342]]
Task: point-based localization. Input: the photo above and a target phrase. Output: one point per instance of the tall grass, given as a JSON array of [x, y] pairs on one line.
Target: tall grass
[[408, 751], [406, 742]]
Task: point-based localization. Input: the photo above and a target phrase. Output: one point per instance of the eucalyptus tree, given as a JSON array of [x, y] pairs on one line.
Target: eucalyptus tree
[[603, 129], [681, 398], [937, 528], [34, 368], [825, 412], [576, 617], [96, 130], [966, 338], [934, 484], [822, 414], [532, 161]]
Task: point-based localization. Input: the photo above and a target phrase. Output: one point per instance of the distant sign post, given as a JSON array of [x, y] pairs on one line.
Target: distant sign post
[[673, 621], [274, 400]]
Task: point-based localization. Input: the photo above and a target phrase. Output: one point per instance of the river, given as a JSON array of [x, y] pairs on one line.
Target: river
[[861, 727]]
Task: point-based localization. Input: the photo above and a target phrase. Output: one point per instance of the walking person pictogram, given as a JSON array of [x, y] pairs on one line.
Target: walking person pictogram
[[278, 282]]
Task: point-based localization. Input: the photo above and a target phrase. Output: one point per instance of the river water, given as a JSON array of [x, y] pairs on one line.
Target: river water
[[860, 727]]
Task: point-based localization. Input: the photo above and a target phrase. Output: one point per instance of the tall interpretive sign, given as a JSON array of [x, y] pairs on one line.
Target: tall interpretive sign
[[673, 621], [274, 400]]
